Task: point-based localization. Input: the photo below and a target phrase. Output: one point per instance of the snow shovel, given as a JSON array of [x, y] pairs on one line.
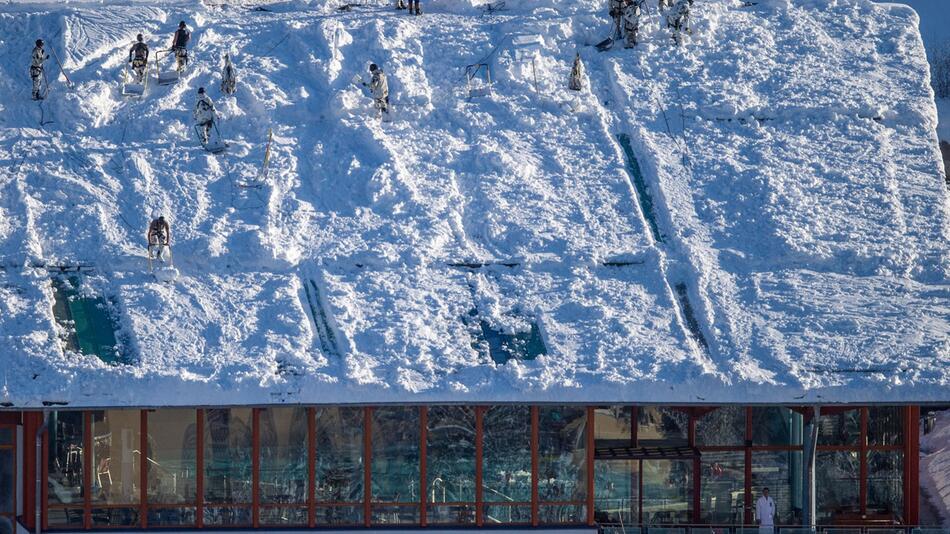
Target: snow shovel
[[605, 45], [130, 88], [215, 146], [167, 77]]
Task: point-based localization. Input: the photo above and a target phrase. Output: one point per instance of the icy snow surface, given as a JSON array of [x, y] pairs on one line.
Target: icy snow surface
[[788, 147]]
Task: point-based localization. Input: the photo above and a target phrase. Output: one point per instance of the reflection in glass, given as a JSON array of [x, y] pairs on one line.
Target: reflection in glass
[[65, 467], [339, 515], [507, 454], [562, 458], [6, 481], [781, 472], [227, 462], [616, 491], [667, 491], [885, 482], [283, 462], [662, 427], [776, 425], [339, 461], [842, 428], [885, 425], [612, 426], [723, 426], [722, 497], [837, 474], [495, 514], [172, 446], [116, 442], [450, 457], [395, 457], [562, 513], [283, 516]]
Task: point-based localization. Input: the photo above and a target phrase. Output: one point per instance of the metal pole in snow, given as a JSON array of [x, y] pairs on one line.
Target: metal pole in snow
[[61, 69]]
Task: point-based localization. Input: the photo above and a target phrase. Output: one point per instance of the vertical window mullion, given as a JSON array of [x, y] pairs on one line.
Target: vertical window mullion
[[697, 468], [256, 467], [87, 469], [311, 467], [143, 468], [534, 465], [423, 467], [863, 463], [591, 416], [200, 468], [479, 450], [367, 465], [747, 500]]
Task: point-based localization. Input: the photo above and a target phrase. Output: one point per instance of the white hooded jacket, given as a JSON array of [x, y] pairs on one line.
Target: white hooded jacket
[[765, 511], [204, 109]]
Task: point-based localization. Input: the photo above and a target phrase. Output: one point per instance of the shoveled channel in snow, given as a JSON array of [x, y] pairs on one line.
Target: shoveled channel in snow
[[789, 148]]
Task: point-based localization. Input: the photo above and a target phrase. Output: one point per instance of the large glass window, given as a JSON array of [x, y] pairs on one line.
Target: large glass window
[[7, 471], [723, 487], [450, 460], [506, 454], [116, 445], [616, 491], [841, 428], [339, 466], [283, 465], [776, 425], [722, 427], [228, 453], [395, 464], [562, 463], [662, 427], [172, 467], [781, 472], [837, 474], [886, 483], [64, 490], [667, 491], [885, 425]]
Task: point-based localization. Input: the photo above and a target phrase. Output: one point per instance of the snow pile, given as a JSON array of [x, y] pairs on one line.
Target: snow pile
[[793, 246]]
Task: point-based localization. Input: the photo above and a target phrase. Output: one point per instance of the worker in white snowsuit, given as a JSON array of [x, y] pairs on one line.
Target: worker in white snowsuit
[[577, 74], [765, 512], [205, 115], [631, 22], [379, 87], [665, 4], [36, 68], [228, 76], [616, 13], [678, 19]]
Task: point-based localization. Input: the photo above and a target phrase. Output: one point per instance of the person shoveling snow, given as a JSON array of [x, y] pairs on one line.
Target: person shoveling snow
[[159, 237], [379, 88], [138, 58], [205, 115], [180, 46], [36, 69]]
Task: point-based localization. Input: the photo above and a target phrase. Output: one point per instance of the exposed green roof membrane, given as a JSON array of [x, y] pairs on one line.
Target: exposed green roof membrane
[[90, 327]]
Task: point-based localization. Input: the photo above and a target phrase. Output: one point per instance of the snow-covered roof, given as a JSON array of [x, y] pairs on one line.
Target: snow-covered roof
[[781, 237]]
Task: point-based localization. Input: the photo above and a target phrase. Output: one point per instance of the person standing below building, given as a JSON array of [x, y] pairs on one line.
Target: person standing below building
[[765, 513], [36, 68]]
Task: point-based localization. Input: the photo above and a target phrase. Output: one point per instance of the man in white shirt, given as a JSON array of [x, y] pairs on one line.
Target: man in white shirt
[[765, 512]]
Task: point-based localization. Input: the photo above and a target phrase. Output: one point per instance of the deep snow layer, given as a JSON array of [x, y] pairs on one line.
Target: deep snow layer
[[789, 149]]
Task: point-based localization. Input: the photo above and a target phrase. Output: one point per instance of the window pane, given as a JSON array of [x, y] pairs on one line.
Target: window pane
[[64, 465], [283, 516], [6, 481], [228, 450], [450, 453], [116, 441], [506, 456], [339, 462], [723, 487], [781, 472], [837, 475], [612, 426], [886, 483], [340, 515], [662, 427], [6, 435], [172, 448], [115, 517], [776, 425], [395, 515], [885, 425], [562, 455], [723, 426], [395, 457], [171, 517], [842, 428], [463, 514], [562, 513], [497, 514], [283, 462], [224, 516], [616, 487], [667, 491]]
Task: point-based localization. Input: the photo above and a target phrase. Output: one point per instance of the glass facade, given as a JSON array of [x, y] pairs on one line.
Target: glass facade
[[7, 471], [501, 465]]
